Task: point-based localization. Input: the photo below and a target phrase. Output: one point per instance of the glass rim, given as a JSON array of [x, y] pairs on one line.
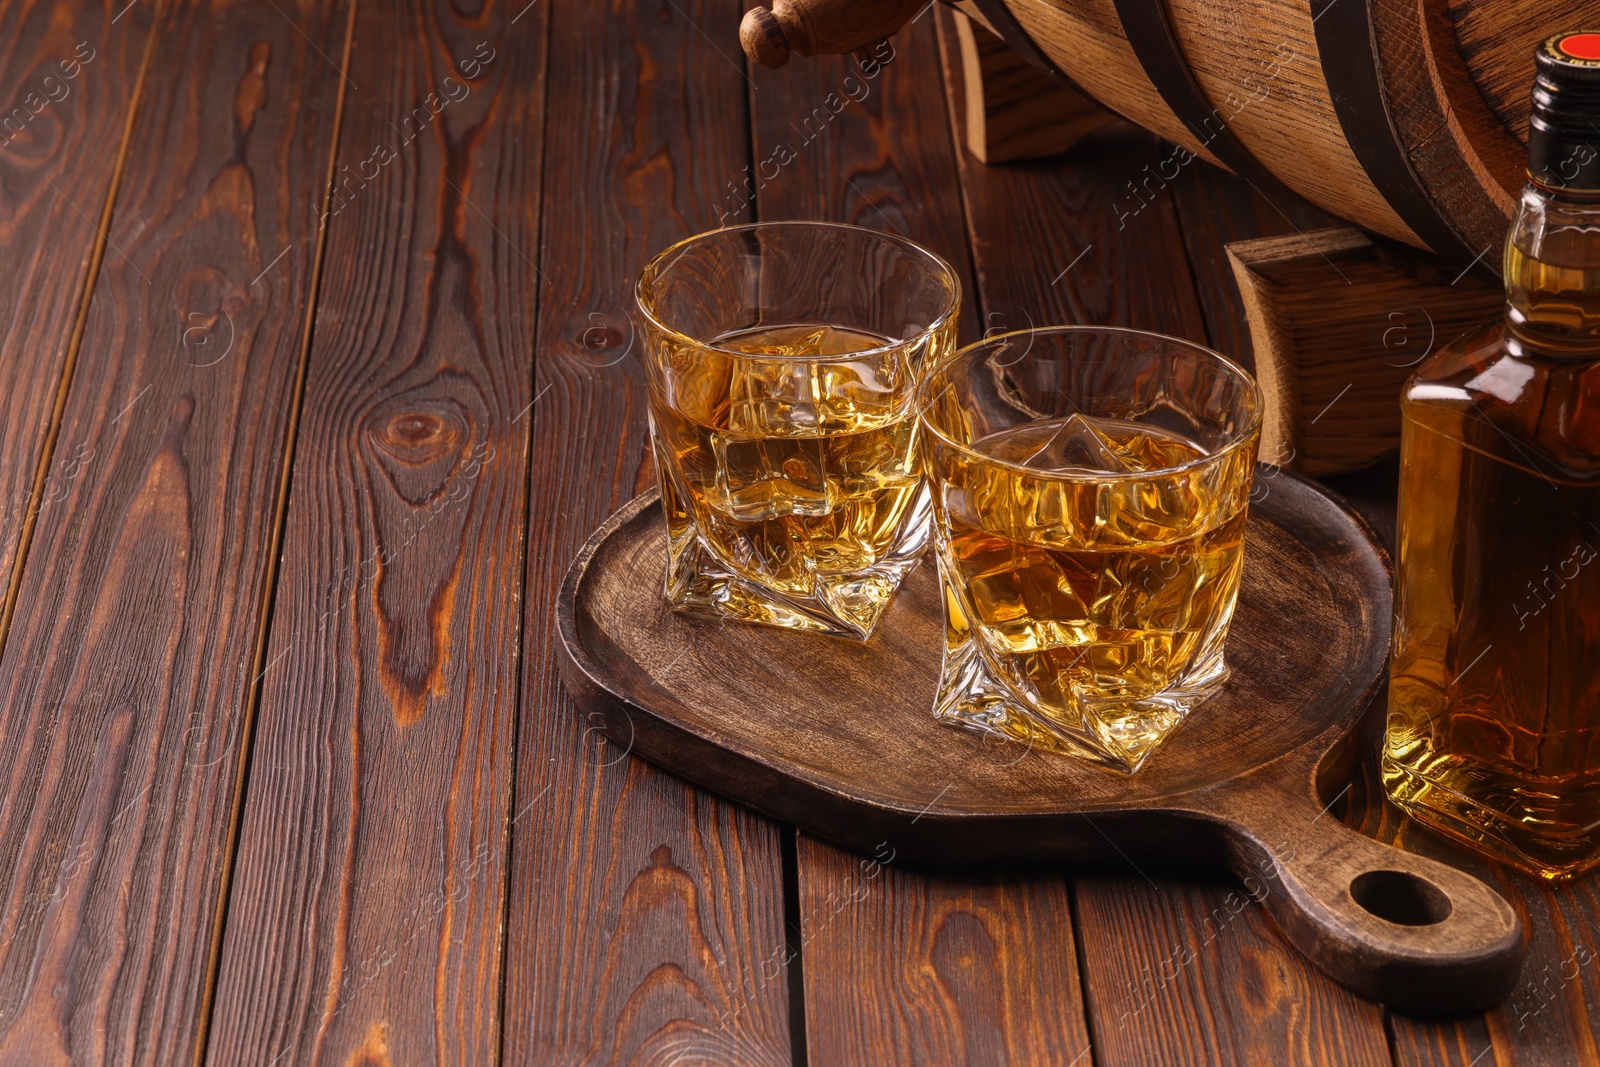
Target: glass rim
[[1241, 439], [680, 248]]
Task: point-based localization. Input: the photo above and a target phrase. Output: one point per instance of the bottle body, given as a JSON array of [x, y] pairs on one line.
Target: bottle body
[[1493, 732]]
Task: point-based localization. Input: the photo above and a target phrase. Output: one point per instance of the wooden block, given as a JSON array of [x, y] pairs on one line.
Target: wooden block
[[1015, 111], [1338, 324]]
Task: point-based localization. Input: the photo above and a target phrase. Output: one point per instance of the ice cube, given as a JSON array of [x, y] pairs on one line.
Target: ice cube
[[1076, 447], [767, 478], [774, 397]]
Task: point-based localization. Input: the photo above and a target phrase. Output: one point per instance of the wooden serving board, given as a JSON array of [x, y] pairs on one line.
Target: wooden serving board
[[836, 737]]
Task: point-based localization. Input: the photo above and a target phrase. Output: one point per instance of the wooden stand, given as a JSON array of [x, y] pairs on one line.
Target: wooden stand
[[1339, 323]]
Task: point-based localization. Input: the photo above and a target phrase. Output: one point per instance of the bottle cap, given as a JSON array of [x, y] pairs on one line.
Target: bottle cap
[[1564, 128]]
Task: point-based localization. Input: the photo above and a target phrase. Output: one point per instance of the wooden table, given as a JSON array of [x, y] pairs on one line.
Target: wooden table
[[289, 474]]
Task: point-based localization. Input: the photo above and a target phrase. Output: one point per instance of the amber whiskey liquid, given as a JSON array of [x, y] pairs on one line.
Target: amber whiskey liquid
[[1494, 704], [1101, 603], [1493, 733], [789, 459]]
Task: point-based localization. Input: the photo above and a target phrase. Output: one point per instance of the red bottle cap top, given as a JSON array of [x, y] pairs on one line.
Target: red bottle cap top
[[1579, 45], [1573, 56]]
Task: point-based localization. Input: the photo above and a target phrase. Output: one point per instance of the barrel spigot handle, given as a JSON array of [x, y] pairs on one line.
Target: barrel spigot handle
[[820, 27]]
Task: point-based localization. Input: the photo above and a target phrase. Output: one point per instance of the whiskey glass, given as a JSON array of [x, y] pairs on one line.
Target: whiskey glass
[[1090, 487], [782, 361]]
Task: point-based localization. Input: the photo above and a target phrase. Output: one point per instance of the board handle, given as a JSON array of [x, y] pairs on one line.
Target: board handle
[[1391, 925]]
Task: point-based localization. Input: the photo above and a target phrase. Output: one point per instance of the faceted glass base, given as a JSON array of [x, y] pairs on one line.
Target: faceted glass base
[[700, 581], [1548, 831], [1117, 733]]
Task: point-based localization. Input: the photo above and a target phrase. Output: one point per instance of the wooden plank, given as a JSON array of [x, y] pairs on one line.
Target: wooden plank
[[1094, 254], [1068, 240], [646, 917], [69, 76], [126, 685], [1181, 971], [865, 144], [901, 966], [366, 917], [1553, 1014], [912, 967]]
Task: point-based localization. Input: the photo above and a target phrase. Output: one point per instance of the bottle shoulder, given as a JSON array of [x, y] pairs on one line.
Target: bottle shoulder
[[1540, 413]]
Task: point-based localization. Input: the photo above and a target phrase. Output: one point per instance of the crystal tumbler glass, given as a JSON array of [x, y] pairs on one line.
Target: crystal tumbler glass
[[783, 360], [1090, 488]]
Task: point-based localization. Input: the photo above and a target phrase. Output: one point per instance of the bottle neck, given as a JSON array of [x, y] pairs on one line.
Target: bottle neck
[[1552, 274]]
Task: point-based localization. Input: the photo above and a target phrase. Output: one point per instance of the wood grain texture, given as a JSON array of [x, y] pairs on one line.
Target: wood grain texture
[[69, 77], [1215, 208], [935, 969], [1209, 982], [1470, 165], [366, 916], [867, 144], [1068, 240], [1084, 39], [1338, 325], [646, 917], [126, 685], [1082, 206], [925, 968], [1551, 1016], [1015, 111], [1496, 39], [1260, 67]]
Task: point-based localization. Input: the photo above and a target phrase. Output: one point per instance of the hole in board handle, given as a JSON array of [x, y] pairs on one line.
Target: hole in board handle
[[1401, 898]]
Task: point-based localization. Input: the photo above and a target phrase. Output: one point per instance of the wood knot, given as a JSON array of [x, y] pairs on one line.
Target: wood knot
[[602, 338], [419, 444], [417, 428], [178, 416], [252, 91], [418, 435]]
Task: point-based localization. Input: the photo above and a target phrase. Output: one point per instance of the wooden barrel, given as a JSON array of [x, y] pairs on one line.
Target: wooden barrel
[[1407, 117]]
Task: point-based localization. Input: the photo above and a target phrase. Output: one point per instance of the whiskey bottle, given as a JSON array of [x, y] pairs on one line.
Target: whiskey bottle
[[1493, 732]]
